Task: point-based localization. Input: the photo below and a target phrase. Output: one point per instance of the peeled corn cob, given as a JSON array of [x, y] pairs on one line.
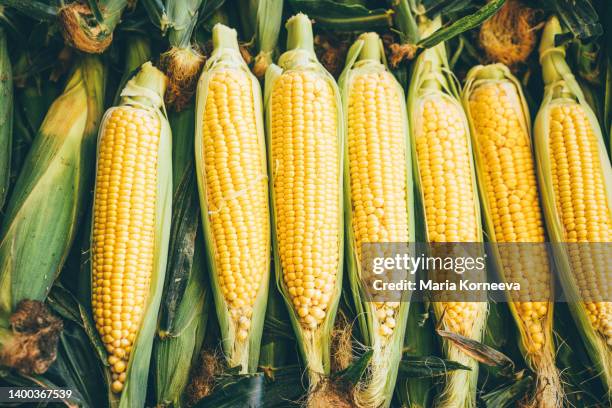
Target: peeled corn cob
[[447, 185], [305, 142], [232, 177], [52, 185], [379, 203], [500, 128], [130, 230], [576, 177]]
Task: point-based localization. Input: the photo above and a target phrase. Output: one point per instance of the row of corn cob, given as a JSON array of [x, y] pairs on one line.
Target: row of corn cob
[[305, 163]]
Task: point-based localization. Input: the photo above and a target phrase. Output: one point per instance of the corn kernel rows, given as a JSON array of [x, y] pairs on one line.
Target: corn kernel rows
[[512, 197], [377, 148], [237, 192], [447, 185], [124, 230], [306, 169], [581, 200]]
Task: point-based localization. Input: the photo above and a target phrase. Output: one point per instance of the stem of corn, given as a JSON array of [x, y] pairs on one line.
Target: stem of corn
[[299, 34]]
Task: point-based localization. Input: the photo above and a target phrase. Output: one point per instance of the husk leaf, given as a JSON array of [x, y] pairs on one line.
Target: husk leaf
[[53, 185]]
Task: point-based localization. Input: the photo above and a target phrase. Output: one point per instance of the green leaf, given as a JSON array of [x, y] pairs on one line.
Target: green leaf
[[34, 9], [156, 11], [343, 16], [461, 25], [429, 366], [95, 10], [508, 395], [77, 367], [353, 373], [477, 350], [235, 392], [579, 17], [185, 221]]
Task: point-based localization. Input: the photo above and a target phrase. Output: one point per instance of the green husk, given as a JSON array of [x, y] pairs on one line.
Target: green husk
[[549, 392], [183, 62], [226, 56], [562, 88], [145, 91], [341, 15], [419, 342], [6, 117], [184, 309], [90, 29], [275, 343], [137, 52], [366, 56], [315, 344], [431, 76], [266, 15], [53, 185]]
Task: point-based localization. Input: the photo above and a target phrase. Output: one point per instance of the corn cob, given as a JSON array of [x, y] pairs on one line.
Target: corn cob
[[500, 128], [231, 169], [305, 145], [447, 186], [6, 117], [90, 30], [52, 185], [379, 202], [575, 177], [130, 230]]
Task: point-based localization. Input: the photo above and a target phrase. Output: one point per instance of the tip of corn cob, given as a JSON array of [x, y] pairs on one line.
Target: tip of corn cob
[[224, 37], [147, 87], [488, 72], [372, 47], [182, 66], [91, 39], [547, 42], [510, 35], [299, 33], [31, 347]]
